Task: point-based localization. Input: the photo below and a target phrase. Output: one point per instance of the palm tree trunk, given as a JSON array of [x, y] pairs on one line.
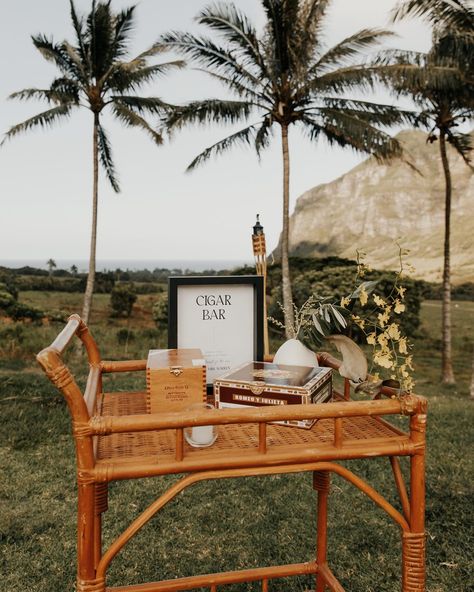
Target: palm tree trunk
[[447, 375], [91, 275], [471, 390], [285, 265]]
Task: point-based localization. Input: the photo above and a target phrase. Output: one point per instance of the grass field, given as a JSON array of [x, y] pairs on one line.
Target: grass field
[[236, 523]]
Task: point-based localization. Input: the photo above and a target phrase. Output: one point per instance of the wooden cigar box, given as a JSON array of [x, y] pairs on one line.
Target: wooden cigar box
[[175, 379], [259, 384]]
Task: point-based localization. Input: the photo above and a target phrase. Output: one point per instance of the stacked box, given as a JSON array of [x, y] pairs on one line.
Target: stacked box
[[175, 379], [258, 384]]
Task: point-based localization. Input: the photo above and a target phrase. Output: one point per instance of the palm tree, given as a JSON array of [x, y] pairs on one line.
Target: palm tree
[[442, 85], [51, 263], [284, 77], [96, 73]]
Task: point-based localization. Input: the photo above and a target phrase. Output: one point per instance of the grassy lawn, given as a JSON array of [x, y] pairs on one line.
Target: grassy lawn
[[234, 523]]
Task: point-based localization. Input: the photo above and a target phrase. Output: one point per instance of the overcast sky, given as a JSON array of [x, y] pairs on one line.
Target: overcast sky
[[162, 212]]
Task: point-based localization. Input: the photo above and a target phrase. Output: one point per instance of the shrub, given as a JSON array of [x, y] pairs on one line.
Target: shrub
[[122, 299], [160, 311], [19, 311], [10, 307], [125, 335], [6, 298]]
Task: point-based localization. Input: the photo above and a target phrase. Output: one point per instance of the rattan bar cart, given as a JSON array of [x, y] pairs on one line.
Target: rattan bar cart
[[116, 439]]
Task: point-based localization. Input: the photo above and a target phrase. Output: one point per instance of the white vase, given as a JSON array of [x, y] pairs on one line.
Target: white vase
[[294, 353]]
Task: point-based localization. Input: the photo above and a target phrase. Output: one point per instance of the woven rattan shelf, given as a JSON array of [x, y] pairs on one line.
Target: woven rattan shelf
[[117, 439], [159, 447]]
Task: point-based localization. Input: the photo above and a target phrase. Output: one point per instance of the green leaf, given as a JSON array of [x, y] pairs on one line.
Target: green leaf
[[367, 287], [339, 317]]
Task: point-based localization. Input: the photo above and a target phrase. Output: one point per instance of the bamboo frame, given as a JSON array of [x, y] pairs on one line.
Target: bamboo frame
[[265, 458]]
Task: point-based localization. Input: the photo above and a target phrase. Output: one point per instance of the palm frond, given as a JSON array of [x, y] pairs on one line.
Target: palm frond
[[206, 53], [56, 53], [349, 48], [67, 87], [106, 160], [34, 93], [78, 24], [357, 77], [310, 127], [452, 13], [100, 32], [462, 143], [258, 98], [132, 75], [123, 25], [127, 116], [82, 67], [422, 83], [345, 129], [44, 119], [142, 105], [456, 50], [282, 19], [388, 57], [236, 29], [311, 17], [243, 136], [263, 135], [373, 113], [62, 90], [208, 111]]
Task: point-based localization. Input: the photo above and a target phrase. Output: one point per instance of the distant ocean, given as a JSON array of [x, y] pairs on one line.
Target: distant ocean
[[131, 264]]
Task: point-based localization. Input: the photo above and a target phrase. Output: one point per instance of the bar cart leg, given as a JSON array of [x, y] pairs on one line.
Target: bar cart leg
[[87, 529], [101, 505], [321, 485], [413, 542]]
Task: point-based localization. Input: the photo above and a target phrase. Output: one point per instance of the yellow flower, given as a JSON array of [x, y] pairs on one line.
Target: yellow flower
[[363, 297], [383, 359], [345, 300], [379, 301], [358, 321], [382, 339], [402, 345], [383, 318], [394, 331], [399, 307], [409, 362], [408, 384], [401, 291], [403, 371], [371, 338]]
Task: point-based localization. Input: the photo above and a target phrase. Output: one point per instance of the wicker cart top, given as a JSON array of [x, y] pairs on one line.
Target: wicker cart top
[[361, 436]]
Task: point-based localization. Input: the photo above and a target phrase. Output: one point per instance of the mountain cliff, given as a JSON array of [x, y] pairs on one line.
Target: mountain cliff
[[375, 204]]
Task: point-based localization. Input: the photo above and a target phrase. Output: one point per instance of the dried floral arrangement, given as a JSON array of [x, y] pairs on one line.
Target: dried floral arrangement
[[391, 349], [391, 359]]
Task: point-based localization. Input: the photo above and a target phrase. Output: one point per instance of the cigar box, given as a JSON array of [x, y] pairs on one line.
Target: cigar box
[[258, 384], [175, 379]]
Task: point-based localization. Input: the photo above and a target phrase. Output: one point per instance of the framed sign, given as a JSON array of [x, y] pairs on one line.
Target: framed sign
[[220, 315]]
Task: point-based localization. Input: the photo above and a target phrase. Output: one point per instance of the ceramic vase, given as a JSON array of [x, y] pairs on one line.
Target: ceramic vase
[[294, 353]]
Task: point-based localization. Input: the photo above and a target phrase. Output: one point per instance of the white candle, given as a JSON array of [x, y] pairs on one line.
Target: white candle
[[202, 435]]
